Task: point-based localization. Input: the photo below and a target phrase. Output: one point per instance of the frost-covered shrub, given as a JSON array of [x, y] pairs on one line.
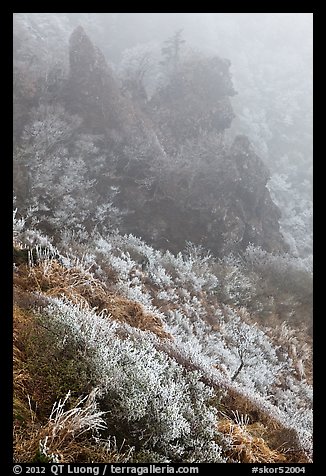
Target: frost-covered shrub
[[123, 264], [158, 275], [295, 201], [282, 268], [296, 401], [237, 287], [144, 273], [168, 296], [153, 391], [18, 224], [267, 284], [183, 270], [285, 278], [143, 389], [30, 237], [136, 293], [261, 365]]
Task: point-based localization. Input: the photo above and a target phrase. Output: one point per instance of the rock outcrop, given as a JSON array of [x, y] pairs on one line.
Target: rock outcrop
[[195, 101], [173, 191], [224, 206], [94, 94], [250, 214]]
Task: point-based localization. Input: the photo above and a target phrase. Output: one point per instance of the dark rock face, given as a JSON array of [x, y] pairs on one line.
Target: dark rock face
[[251, 215], [195, 100], [94, 94], [225, 207], [176, 193]]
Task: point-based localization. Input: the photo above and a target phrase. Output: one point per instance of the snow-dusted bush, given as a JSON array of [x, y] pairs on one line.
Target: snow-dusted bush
[[18, 224], [261, 365], [142, 389], [154, 392], [236, 286]]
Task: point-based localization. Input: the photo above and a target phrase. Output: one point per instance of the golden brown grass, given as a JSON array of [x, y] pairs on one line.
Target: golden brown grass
[[66, 436], [264, 440], [22, 380], [75, 450], [279, 438], [247, 444], [132, 313], [52, 279], [299, 345]]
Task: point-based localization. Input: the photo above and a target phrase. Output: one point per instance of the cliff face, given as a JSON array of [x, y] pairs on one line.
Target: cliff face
[[94, 94], [223, 206], [251, 215], [195, 101], [174, 192]]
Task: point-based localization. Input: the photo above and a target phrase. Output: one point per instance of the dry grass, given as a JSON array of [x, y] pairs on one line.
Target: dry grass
[[264, 440], [279, 438], [247, 444], [67, 436], [231, 400], [76, 450], [52, 279], [22, 380], [234, 400], [299, 345], [132, 313]]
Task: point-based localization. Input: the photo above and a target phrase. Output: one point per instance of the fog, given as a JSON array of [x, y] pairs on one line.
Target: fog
[[270, 54], [271, 71], [162, 227], [271, 66]]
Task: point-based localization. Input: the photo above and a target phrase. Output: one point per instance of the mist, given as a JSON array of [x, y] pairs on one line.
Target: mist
[[163, 240], [271, 70]]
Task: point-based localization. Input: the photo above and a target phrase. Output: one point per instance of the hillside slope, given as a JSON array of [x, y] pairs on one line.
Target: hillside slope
[[160, 315], [145, 362]]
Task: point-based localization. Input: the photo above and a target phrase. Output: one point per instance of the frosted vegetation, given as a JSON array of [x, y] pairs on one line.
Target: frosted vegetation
[[167, 396], [273, 104], [133, 134]]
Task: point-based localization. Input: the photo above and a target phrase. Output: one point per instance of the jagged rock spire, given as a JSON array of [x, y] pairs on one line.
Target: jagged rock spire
[[84, 57], [93, 90]]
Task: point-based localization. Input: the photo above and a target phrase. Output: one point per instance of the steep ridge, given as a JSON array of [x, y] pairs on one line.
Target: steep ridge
[[195, 188]]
